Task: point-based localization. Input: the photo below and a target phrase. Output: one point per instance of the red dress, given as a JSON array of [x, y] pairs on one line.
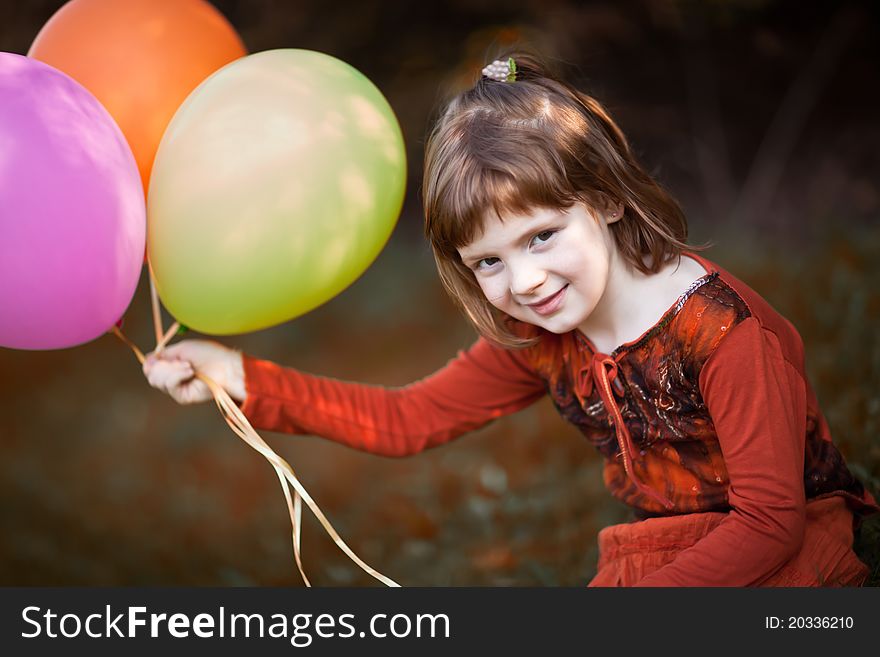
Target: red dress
[[708, 426]]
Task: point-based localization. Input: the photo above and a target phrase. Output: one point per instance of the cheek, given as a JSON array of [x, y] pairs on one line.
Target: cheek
[[586, 267], [568, 263], [495, 289]]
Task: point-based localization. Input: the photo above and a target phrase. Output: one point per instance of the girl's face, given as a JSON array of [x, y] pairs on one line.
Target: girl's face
[[547, 267]]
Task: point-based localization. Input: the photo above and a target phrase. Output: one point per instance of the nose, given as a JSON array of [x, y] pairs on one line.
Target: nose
[[525, 278]]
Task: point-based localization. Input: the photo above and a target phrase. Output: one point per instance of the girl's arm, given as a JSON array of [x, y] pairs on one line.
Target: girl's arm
[[757, 400], [477, 386]]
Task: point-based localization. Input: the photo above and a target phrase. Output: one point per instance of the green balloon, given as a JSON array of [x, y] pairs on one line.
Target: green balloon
[[276, 184]]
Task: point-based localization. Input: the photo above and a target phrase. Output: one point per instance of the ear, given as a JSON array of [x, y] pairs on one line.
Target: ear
[[614, 212]]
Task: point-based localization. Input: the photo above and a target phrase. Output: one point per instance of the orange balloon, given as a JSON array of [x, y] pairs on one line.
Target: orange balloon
[[140, 58]]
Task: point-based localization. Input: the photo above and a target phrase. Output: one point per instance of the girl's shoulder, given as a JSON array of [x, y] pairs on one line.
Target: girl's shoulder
[[726, 302]]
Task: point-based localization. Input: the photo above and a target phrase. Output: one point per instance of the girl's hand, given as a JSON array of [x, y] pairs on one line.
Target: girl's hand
[[174, 370]]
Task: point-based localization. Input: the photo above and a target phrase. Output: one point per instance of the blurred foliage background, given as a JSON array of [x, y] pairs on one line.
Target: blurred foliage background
[[759, 115]]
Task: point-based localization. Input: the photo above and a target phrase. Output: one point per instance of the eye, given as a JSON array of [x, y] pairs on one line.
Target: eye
[[485, 263], [543, 237]]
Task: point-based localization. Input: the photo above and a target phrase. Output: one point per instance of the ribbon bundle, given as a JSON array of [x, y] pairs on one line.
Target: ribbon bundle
[[243, 429]]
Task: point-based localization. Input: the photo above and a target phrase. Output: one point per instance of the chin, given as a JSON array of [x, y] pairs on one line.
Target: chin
[[559, 330], [557, 325]]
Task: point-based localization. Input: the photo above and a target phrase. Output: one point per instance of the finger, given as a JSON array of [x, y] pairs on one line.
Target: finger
[[164, 375], [181, 350], [156, 374], [192, 392], [181, 373], [154, 357], [149, 362]]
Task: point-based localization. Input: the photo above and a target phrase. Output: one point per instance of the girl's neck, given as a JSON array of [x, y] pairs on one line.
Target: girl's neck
[[633, 302]]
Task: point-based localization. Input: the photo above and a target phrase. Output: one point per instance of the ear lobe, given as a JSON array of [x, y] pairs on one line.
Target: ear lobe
[[614, 213]]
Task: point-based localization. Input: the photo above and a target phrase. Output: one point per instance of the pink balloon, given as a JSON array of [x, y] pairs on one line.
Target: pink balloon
[[72, 211]]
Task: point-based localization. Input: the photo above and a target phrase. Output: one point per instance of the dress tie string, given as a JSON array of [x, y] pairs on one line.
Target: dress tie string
[[602, 372]]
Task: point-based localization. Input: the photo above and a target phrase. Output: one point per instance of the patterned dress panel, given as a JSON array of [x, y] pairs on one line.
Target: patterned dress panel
[[679, 450]]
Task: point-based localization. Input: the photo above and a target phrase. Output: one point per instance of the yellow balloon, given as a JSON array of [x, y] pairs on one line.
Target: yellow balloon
[[277, 183]]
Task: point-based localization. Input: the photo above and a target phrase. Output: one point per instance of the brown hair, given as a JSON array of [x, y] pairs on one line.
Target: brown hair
[[535, 142]]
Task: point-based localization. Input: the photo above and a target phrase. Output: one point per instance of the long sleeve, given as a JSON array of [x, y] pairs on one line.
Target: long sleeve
[[757, 401], [477, 386]]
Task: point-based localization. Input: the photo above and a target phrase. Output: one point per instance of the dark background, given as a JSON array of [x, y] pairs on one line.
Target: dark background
[[759, 115]]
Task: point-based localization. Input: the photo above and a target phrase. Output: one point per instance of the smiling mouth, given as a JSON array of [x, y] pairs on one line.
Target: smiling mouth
[[551, 304]]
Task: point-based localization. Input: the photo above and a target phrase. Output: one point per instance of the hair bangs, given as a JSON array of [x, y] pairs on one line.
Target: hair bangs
[[489, 172]]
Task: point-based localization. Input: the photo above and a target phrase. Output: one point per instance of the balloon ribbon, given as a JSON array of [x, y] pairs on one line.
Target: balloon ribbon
[[243, 429]]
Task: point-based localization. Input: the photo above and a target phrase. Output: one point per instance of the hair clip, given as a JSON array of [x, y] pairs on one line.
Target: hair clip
[[501, 71]]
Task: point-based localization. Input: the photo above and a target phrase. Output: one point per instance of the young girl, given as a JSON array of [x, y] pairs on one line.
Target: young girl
[[572, 264]]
